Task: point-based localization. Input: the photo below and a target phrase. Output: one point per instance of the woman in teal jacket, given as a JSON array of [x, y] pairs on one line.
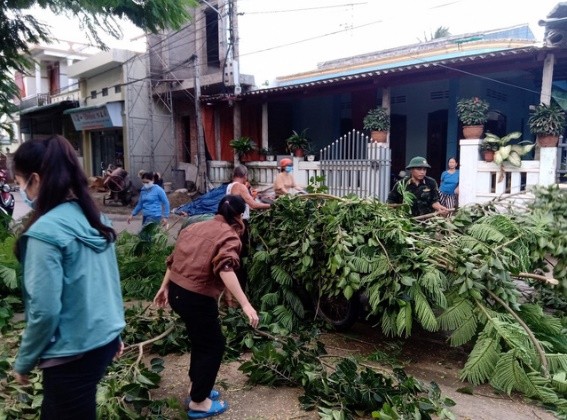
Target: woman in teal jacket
[[71, 285]]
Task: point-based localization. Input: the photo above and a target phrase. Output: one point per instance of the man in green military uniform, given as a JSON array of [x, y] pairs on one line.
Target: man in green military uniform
[[423, 188]]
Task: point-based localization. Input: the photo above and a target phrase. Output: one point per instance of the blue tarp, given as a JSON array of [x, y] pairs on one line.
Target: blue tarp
[[207, 203]]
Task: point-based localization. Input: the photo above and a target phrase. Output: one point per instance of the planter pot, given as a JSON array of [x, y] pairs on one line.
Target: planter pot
[[379, 136], [298, 153], [547, 141], [488, 155], [270, 158], [310, 158], [473, 131]]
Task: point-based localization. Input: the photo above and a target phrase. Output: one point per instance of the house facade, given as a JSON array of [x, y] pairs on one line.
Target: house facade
[[47, 90], [419, 83], [106, 103]]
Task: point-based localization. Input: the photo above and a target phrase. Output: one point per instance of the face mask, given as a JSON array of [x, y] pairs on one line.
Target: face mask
[[289, 169], [23, 194], [148, 185]]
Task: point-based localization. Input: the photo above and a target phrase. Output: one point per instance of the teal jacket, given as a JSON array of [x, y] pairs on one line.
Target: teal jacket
[[71, 288]]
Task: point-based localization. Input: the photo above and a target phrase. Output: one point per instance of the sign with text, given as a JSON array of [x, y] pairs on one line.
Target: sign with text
[[105, 116]]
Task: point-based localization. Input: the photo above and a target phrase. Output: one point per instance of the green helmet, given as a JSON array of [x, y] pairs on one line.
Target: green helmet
[[418, 162]]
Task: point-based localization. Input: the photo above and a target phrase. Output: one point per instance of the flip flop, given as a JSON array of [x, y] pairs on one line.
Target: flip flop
[[214, 395], [218, 407]]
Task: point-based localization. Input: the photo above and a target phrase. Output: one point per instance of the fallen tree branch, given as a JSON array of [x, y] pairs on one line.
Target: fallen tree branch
[[538, 277], [141, 345], [533, 339]]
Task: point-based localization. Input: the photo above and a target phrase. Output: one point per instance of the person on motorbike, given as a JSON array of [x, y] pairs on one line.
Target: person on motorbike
[[6, 196]]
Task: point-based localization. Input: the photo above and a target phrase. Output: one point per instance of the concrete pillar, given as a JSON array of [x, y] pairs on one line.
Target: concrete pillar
[[468, 168], [37, 79], [547, 165]]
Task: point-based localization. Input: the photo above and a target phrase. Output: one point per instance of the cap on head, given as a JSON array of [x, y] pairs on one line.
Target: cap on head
[[418, 162], [285, 162]]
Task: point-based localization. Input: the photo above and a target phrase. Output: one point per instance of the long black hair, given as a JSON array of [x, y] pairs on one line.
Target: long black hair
[[231, 208], [62, 179]]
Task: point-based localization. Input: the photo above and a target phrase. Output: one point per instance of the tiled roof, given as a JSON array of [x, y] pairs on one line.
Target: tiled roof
[[393, 68]]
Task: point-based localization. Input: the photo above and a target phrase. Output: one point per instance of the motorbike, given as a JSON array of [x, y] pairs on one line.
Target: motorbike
[[6, 198]]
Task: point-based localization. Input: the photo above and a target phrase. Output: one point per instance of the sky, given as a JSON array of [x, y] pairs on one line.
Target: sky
[[319, 30], [298, 34]]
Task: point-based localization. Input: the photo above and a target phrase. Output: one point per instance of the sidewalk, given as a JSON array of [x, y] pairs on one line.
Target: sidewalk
[[118, 215]]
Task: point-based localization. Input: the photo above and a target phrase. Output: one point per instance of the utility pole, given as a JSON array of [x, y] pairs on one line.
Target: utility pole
[[201, 156]]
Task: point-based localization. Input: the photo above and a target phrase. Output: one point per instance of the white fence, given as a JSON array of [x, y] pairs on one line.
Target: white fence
[[263, 173], [481, 181], [351, 164]]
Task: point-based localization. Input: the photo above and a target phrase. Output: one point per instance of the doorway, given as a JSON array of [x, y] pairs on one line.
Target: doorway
[[107, 149], [437, 142], [398, 132]]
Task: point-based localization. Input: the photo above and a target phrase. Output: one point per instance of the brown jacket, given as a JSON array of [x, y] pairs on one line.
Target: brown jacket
[[201, 252]]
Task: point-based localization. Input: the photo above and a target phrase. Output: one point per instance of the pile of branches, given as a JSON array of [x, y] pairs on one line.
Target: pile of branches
[[459, 275]]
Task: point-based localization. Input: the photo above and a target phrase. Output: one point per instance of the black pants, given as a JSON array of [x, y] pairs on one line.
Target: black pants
[[241, 273], [69, 390], [200, 314]]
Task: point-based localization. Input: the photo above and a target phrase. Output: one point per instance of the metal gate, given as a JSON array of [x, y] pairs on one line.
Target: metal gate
[[353, 164], [562, 160]]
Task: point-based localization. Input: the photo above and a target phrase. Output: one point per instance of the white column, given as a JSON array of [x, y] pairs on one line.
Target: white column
[[265, 125], [37, 78], [468, 170], [547, 165], [70, 82]]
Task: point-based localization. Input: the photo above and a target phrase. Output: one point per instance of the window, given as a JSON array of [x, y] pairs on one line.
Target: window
[[212, 31], [93, 94], [117, 89], [104, 91]]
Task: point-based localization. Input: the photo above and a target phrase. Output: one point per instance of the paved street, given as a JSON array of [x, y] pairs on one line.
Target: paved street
[[118, 220]]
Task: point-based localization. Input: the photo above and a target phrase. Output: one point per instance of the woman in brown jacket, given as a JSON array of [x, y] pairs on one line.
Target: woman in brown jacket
[[201, 266]]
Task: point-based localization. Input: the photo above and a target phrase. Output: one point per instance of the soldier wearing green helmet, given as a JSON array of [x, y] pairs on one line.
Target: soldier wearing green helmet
[[424, 189]]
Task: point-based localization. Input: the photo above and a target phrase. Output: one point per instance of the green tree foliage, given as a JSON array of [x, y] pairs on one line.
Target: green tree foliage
[[459, 275], [19, 28]]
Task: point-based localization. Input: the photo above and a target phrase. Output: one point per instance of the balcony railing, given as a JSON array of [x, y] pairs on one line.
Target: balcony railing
[[36, 100], [70, 94]]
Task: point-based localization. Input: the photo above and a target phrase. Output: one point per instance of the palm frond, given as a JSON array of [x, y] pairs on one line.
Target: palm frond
[[486, 233], [434, 284], [482, 360], [404, 320], [510, 373], [389, 323], [281, 276], [516, 338], [557, 362], [284, 316], [423, 311], [458, 313], [464, 332]]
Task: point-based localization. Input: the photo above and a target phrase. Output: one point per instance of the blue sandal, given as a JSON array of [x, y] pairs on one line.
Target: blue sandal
[[214, 395], [217, 407]]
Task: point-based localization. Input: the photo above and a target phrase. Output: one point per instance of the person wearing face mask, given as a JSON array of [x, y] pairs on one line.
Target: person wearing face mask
[[285, 182], [153, 202], [71, 283]]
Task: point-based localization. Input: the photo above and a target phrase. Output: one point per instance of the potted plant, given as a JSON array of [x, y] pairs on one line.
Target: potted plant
[[487, 150], [267, 153], [377, 120], [472, 112], [506, 152], [298, 142], [242, 146], [547, 123]]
